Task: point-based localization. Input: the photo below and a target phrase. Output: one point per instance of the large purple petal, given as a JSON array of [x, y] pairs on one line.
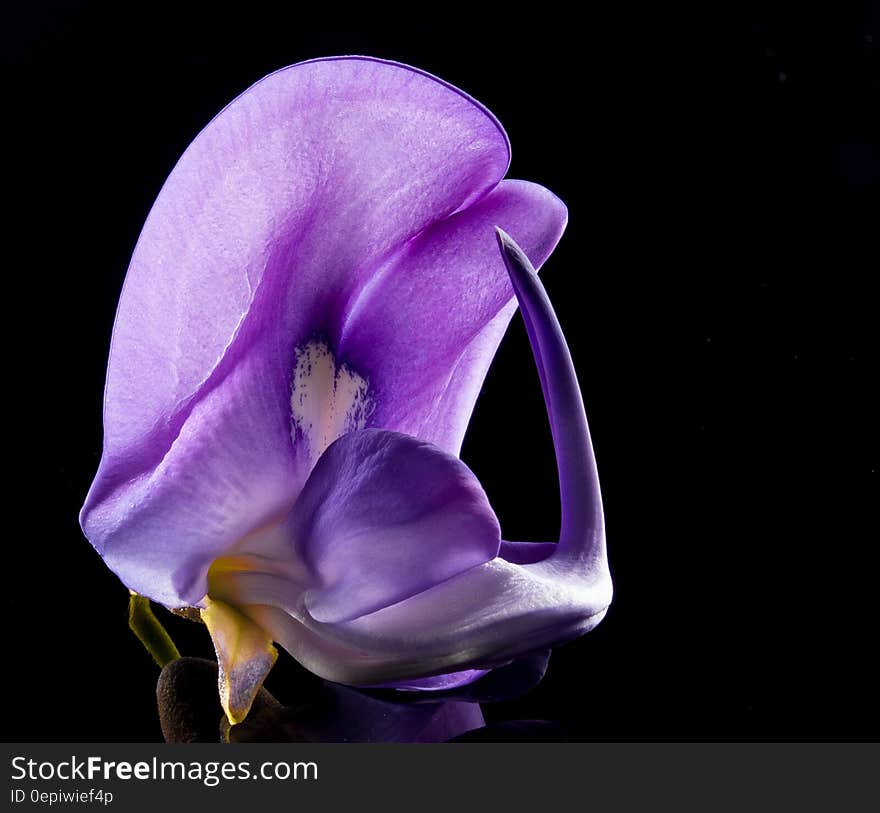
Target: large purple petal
[[332, 164], [265, 232], [384, 516], [426, 328]]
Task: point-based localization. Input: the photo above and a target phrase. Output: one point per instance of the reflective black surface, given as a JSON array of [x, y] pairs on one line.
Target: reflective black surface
[[716, 284], [327, 712]]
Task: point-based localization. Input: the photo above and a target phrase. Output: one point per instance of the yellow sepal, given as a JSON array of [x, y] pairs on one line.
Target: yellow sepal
[[244, 654]]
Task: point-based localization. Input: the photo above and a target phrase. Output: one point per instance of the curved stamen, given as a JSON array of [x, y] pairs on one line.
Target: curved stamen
[[582, 533]]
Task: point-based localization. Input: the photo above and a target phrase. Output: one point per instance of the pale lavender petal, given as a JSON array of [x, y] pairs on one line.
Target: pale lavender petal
[[333, 163], [265, 232], [480, 619], [384, 516], [226, 473], [426, 328]]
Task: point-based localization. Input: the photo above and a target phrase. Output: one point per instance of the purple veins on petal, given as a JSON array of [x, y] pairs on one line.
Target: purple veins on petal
[[342, 198]]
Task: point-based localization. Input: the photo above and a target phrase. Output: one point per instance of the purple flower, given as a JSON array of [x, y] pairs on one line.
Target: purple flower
[[306, 322]]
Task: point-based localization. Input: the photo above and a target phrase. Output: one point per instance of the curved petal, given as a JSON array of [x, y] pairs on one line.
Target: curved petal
[[425, 330], [582, 535], [338, 161], [268, 227], [477, 620], [228, 472], [384, 516], [499, 610]]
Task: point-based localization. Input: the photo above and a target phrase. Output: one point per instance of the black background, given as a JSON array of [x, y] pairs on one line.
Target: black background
[[715, 284]]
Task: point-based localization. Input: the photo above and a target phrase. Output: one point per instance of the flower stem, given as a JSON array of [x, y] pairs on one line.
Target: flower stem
[[150, 631]]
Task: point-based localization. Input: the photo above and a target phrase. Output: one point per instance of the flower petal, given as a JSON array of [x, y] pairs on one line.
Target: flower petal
[[426, 329], [582, 535], [269, 226], [384, 516], [334, 162], [479, 619], [228, 472]]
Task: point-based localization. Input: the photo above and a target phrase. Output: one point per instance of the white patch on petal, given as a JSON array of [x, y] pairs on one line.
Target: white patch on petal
[[326, 400]]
